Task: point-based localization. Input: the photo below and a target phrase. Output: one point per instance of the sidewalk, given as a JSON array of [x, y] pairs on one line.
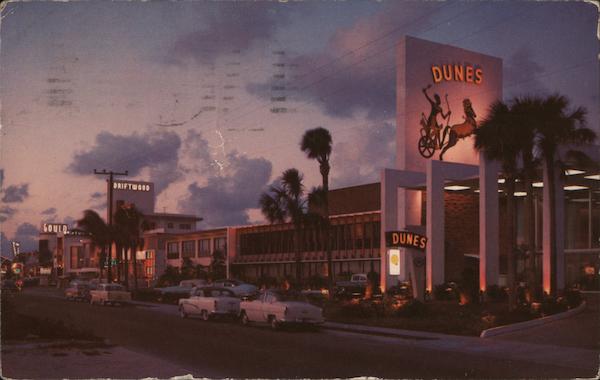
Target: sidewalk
[[580, 358], [581, 331]]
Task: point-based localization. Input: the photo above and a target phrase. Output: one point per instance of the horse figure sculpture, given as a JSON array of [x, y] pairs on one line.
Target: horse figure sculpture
[[460, 131]]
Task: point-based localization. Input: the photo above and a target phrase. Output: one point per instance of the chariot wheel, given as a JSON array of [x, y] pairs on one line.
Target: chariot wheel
[[426, 146]]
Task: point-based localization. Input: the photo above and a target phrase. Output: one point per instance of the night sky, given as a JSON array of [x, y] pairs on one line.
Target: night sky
[[209, 99]]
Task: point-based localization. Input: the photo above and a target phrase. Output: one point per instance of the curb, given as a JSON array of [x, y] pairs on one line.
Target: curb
[[385, 331], [500, 330]]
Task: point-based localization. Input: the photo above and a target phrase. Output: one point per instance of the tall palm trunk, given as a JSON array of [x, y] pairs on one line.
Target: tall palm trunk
[[324, 168], [119, 262], [510, 213], [101, 261], [109, 264], [298, 254], [549, 161], [126, 254], [529, 224]]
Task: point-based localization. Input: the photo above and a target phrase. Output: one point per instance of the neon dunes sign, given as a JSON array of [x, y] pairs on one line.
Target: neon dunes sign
[[457, 73], [405, 239]]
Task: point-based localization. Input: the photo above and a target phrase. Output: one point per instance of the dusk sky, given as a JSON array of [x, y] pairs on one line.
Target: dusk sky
[[183, 94]]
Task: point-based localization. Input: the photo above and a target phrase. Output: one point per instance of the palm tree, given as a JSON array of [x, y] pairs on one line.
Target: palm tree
[[283, 203], [101, 236], [524, 111], [130, 223], [500, 138], [558, 126], [316, 143]]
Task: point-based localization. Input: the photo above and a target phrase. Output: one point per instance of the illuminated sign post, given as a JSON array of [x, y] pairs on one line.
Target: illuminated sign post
[[131, 186], [395, 240], [405, 239]]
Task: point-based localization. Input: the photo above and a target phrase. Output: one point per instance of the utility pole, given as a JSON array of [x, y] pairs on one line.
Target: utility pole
[[109, 218]]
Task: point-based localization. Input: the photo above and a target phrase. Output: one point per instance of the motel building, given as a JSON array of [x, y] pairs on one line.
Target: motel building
[[74, 254], [426, 221]]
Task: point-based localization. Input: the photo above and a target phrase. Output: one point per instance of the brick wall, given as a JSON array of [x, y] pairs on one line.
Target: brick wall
[[461, 231]]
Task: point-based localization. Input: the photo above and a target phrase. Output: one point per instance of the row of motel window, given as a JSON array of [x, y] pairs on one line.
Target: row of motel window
[[349, 237], [195, 248]]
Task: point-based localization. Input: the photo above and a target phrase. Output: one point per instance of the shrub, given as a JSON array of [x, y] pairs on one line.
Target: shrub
[[411, 309], [495, 293], [573, 298], [552, 306], [445, 291], [170, 277], [356, 310], [316, 282]]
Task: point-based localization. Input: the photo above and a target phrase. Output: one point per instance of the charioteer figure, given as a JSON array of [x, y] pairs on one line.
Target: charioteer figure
[[430, 124]]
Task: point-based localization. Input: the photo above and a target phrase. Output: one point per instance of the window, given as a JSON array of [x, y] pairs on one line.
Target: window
[[220, 244], [358, 235], [188, 248], [368, 235], [185, 226], [204, 247], [348, 233], [173, 250], [376, 235], [169, 225]]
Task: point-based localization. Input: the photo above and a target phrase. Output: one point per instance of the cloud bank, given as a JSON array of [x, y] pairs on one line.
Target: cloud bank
[[156, 151]]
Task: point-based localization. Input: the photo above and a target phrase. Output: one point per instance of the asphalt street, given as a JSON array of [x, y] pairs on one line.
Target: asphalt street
[[226, 349]]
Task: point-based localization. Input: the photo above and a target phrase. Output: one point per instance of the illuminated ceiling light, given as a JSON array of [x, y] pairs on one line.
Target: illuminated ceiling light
[[456, 188], [573, 171], [538, 184], [575, 187], [476, 191], [596, 177], [501, 180], [520, 194]]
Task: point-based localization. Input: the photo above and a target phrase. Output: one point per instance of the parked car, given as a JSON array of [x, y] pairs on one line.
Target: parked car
[[241, 289], [172, 294], [78, 291], [278, 307], [208, 302], [109, 294]]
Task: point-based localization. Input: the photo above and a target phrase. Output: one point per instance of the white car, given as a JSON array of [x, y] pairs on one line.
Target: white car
[[109, 294], [278, 308], [210, 302]]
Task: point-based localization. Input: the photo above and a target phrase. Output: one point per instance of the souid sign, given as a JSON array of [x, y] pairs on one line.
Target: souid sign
[[131, 186], [457, 73], [405, 239], [55, 228]]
